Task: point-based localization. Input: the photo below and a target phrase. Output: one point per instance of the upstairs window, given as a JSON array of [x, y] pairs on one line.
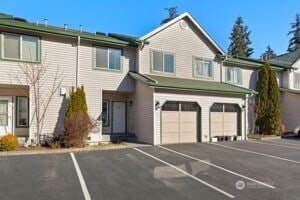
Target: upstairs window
[[108, 58], [234, 75], [163, 62], [202, 67], [296, 80], [20, 47]]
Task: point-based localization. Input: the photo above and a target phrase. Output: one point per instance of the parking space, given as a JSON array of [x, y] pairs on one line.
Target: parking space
[[224, 170]]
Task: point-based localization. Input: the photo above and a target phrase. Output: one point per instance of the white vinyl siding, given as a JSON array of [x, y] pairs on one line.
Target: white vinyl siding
[[108, 58], [203, 67], [20, 47], [163, 62], [234, 75]]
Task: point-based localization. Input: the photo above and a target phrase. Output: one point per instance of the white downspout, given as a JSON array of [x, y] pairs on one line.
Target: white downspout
[[77, 62]]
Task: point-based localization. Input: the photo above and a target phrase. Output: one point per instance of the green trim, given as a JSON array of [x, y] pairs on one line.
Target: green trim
[[247, 62], [190, 84], [17, 115], [162, 72], [52, 30]]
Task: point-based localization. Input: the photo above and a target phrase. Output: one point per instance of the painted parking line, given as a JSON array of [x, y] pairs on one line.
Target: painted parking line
[[281, 142], [257, 153], [278, 145], [219, 167], [81, 179], [187, 174]]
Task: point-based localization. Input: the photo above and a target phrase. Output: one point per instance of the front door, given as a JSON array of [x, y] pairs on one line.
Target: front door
[[5, 115], [119, 117]]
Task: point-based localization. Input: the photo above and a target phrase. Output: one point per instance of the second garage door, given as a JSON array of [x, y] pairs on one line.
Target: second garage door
[[179, 122]]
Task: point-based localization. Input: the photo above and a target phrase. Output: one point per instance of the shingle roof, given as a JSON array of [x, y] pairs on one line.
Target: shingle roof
[[189, 84], [9, 21], [287, 59]]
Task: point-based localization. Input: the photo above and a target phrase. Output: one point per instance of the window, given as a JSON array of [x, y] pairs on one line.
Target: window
[[22, 112], [20, 47], [108, 58], [163, 62], [234, 75], [297, 80], [202, 67], [3, 113], [171, 106], [105, 111]]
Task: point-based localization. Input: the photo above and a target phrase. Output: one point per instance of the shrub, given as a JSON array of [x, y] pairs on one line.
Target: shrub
[[8, 142], [76, 129]]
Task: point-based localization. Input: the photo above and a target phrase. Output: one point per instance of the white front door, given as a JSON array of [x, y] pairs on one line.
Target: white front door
[[119, 117], [5, 115]]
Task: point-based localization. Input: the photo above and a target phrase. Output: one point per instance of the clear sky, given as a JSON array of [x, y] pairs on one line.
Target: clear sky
[[268, 20]]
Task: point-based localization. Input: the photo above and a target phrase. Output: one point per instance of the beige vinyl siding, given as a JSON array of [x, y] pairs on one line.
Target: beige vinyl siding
[[204, 100], [290, 111], [144, 110], [184, 44]]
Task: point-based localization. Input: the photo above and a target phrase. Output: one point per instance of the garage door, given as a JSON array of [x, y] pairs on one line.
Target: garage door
[[179, 122], [224, 119]]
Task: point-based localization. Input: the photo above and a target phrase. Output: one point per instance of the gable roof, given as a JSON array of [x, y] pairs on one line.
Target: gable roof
[[9, 21], [287, 59], [173, 21], [189, 84]]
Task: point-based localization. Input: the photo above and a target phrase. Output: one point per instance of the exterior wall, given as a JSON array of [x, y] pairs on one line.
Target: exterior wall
[[205, 101], [144, 109], [249, 77], [289, 110], [184, 43]]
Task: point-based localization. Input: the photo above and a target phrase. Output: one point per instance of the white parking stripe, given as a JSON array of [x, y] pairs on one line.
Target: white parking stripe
[[257, 153], [186, 173], [280, 142], [278, 145], [219, 167], [81, 179]]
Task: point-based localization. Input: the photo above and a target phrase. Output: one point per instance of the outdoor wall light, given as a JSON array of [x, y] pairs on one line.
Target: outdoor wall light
[[157, 105], [130, 103]]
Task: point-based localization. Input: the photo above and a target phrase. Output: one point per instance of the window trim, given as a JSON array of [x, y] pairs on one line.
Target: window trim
[[230, 81], [204, 59], [163, 52], [6, 113], [39, 49], [108, 113], [294, 85], [17, 113], [106, 69]]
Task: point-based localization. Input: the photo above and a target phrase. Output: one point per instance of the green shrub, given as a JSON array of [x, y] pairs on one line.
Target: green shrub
[[8, 142]]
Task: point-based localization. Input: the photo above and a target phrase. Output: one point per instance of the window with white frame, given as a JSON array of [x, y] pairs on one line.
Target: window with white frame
[[296, 80], [202, 67], [234, 75], [163, 62], [22, 112], [20, 47], [108, 58]]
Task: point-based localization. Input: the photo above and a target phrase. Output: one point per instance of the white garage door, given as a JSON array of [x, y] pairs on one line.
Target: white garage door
[[179, 122], [224, 119]]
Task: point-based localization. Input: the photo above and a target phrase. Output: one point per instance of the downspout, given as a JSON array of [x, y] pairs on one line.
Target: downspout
[[77, 62]]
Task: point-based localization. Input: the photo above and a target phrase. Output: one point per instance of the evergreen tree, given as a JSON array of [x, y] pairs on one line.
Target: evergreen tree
[[173, 13], [240, 40], [267, 104], [274, 107], [294, 42], [77, 102], [268, 54], [261, 101]]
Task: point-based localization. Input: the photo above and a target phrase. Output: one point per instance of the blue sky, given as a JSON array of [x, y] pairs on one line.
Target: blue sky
[[269, 20]]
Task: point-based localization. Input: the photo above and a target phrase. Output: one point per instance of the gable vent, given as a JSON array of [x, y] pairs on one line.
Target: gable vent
[[183, 24]]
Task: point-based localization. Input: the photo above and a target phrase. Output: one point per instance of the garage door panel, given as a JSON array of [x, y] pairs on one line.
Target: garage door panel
[[216, 127], [188, 117], [168, 138], [216, 133], [188, 137], [230, 126], [230, 117], [170, 116], [188, 127], [170, 128], [216, 117]]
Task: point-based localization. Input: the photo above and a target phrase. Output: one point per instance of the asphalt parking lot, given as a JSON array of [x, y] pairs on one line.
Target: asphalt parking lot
[[227, 170]]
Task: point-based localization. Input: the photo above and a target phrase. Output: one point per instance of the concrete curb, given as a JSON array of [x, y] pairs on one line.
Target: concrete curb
[[123, 145]]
